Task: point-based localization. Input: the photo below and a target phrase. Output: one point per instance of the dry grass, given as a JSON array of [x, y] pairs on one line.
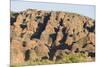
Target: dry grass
[[70, 58]]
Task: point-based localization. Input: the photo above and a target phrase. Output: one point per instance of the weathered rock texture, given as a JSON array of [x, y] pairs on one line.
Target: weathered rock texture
[[37, 34]]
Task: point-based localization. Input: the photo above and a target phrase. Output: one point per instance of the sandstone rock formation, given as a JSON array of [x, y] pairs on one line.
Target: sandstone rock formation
[[36, 34]]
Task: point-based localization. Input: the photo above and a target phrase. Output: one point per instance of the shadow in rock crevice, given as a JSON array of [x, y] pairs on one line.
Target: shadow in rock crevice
[[41, 27]]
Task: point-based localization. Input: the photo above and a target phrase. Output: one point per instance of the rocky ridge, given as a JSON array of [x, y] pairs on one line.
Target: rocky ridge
[[38, 35]]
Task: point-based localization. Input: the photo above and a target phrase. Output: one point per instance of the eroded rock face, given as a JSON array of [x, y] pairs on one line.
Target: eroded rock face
[[17, 52], [41, 51], [36, 34]]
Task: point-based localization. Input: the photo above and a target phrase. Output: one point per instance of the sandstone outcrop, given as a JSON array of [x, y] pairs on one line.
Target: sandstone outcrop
[[36, 34]]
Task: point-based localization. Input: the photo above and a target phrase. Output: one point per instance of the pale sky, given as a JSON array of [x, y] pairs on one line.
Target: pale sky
[[86, 10]]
